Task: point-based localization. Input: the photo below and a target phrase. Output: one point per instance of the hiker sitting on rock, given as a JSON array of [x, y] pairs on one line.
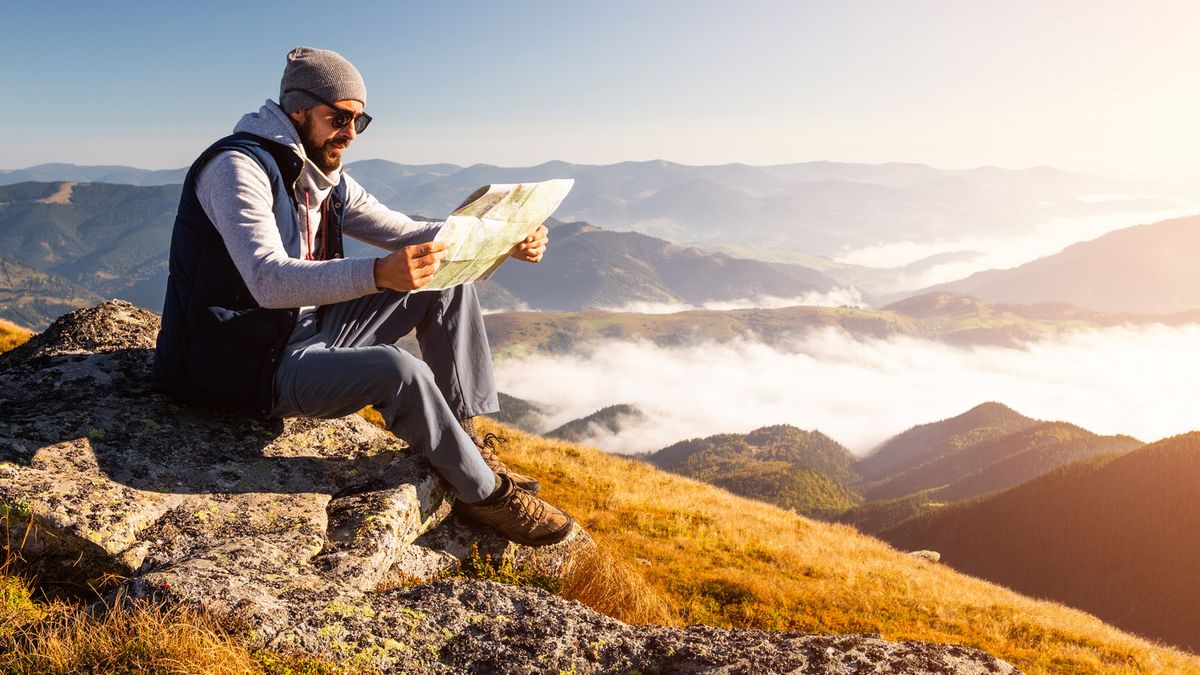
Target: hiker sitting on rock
[[264, 316]]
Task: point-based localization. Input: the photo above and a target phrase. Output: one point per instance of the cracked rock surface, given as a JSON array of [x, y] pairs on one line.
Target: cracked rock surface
[[291, 529]]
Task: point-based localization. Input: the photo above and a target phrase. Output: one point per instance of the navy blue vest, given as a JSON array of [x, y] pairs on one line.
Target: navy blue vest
[[217, 346]]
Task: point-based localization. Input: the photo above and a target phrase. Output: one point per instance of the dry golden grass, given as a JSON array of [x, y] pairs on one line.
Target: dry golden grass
[[723, 560], [56, 636], [610, 585], [12, 336]]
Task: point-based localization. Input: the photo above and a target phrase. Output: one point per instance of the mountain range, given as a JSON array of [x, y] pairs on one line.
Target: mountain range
[[112, 241], [821, 208]]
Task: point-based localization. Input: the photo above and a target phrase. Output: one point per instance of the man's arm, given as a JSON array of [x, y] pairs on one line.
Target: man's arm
[[369, 221], [234, 191]]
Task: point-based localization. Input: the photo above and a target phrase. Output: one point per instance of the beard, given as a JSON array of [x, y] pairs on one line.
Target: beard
[[321, 153]]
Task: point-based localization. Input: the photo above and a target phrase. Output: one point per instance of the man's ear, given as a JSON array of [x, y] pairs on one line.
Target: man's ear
[[297, 115]]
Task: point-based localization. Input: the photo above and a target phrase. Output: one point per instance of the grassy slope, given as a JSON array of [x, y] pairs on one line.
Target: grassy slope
[[801, 470], [12, 335], [729, 561], [1121, 540]]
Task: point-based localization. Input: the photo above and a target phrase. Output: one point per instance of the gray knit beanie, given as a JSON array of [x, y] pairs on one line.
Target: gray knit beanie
[[326, 74]]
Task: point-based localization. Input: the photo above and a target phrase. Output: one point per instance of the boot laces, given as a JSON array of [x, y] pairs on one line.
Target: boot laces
[[529, 507], [487, 448]]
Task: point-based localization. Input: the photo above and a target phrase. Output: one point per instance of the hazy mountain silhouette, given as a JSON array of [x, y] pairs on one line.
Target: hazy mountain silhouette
[[609, 419], [1147, 269], [75, 173]]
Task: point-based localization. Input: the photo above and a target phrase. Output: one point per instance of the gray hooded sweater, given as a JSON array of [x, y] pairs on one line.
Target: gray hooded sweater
[[236, 195]]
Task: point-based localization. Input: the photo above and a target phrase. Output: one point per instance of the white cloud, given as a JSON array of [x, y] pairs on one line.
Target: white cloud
[[1134, 380], [837, 297]]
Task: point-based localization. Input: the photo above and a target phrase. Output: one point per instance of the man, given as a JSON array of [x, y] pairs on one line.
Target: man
[[266, 317]]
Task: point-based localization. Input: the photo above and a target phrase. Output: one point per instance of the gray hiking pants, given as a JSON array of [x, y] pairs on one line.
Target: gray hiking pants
[[345, 358]]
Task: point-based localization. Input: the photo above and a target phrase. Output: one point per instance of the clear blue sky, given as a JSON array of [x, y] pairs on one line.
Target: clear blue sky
[[1095, 85]]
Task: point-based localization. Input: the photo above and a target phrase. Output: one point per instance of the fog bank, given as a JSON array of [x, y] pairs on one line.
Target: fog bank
[[837, 297], [1133, 380]]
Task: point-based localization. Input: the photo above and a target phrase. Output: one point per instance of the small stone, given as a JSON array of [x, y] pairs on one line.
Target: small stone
[[931, 556]]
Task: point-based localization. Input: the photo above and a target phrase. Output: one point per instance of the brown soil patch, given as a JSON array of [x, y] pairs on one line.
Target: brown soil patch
[[63, 196]]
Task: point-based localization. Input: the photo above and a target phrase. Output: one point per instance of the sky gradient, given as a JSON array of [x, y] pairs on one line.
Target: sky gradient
[[1100, 86]]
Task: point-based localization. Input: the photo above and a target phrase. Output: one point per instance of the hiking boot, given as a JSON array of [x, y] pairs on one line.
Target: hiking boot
[[519, 516], [487, 449]]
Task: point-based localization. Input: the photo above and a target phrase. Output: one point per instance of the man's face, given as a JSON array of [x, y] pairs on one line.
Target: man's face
[[322, 142]]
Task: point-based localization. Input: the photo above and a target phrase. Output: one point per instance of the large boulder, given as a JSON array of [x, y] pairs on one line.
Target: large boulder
[[301, 529]]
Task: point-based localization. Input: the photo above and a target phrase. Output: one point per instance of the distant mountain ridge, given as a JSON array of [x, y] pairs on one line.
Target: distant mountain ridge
[[943, 317], [75, 173], [813, 207], [1146, 268]]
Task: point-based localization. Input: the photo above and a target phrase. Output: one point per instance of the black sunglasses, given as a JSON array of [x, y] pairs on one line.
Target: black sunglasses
[[340, 117]]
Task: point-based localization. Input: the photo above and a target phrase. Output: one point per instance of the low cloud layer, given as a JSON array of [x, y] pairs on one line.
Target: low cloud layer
[[1138, 381], [1046, 239], [838, 297]]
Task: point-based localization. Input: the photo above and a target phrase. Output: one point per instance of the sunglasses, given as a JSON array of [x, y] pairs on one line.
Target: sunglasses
[[340, 117]]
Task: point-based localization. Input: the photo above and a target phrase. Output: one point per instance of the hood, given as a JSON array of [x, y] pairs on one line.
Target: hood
[[271, 123]]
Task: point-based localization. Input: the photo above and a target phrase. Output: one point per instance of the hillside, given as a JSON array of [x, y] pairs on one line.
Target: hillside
[[1147, 269], [32, 297], [928, 442], [12, 335], [801, 470], [609, 419], [730, 561], [111, 240], [985, 465], [1113, 536], [593, 268]]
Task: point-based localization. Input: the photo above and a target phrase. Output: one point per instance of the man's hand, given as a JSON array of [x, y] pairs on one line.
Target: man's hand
[[533, 247], [409, 268]]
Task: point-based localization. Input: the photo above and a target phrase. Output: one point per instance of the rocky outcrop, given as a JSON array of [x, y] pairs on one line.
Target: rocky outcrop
[[301, 530]]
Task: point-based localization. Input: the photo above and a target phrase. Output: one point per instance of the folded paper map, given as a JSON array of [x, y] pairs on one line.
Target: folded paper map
[[482, 232]]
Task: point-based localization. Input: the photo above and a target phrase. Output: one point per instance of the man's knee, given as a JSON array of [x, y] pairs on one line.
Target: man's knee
[[402, 368]]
